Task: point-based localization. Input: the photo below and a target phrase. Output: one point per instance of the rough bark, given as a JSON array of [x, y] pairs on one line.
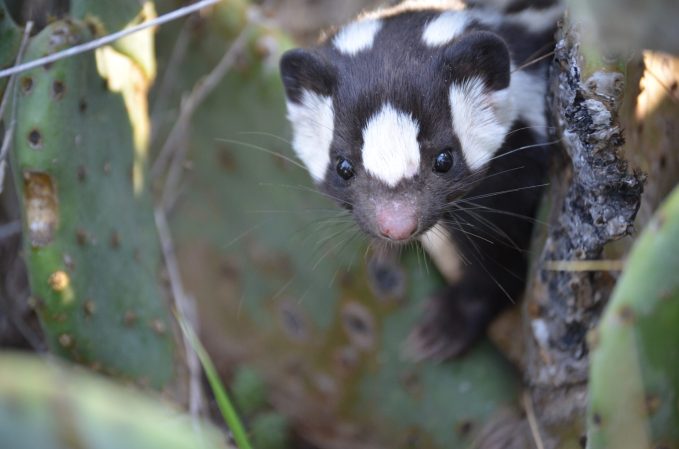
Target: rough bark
[[594, 200]]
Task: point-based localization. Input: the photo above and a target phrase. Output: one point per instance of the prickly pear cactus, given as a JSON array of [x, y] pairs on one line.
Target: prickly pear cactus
[[89, 236], [286, 286], [10, 38], [46, 405], [634, 384]]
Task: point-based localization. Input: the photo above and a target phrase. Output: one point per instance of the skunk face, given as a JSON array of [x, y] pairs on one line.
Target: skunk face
[[417, 119], [396, 116]]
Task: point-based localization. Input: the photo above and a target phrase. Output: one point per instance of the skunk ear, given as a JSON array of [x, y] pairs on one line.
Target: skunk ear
[[480, 54], [303, 70]]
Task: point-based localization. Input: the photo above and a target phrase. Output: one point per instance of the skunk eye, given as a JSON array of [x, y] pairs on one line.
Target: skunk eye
[[443, 161], [345, 169]]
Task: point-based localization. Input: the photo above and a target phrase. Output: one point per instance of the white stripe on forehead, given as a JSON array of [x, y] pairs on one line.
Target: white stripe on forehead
[[445, 28], [312, 122], [390, 150], [481, 119], [357, 36]]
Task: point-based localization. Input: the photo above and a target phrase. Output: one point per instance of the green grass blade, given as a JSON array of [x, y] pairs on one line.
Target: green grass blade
[[225, 405]]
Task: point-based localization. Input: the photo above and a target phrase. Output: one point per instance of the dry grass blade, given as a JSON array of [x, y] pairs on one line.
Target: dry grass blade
[[585, 265], [225, 406]]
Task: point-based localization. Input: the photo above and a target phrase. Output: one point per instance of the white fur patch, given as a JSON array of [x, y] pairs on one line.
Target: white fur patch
[[312, 128], [529, 91], [413, 5], [536, 20], [445, 28], [442, 250], [481, 119], [357, 36], [390, 151]]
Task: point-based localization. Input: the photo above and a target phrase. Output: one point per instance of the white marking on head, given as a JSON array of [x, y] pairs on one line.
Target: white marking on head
[[481, 119], [441, 248], [390, 151], [312, 126], [357, 36], [529, 91], [413, 5], [445, 28], [537, 20]]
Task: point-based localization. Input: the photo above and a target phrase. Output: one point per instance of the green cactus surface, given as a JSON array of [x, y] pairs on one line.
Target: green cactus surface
[[634, 385], [90, 241], [47, 405], [285, 284]]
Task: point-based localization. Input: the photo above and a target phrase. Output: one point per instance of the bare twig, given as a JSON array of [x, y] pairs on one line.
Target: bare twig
[[169, 77], [185, 308], [532, 421], [20, 55], [92, 45], [200, 92], [534, 61], [10, 90]]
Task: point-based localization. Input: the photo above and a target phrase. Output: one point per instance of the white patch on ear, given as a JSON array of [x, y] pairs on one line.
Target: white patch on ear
[[529, 91], [536, 20], [313, 122], [441, 248], [390, 151], [445, 28], [357, 36], [481, 119]]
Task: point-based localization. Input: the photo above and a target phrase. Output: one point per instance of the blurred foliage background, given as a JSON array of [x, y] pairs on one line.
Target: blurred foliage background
[[152, 178]]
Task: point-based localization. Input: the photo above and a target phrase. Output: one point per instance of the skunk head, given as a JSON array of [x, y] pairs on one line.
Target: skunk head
[[395, 117]]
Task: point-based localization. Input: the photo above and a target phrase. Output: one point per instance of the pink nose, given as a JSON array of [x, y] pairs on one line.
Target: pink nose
[[396, 220]]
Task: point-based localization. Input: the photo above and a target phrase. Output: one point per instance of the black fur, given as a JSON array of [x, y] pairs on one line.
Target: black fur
[[479, 54]]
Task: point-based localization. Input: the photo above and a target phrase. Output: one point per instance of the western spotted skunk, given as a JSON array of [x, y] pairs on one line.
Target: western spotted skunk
[[427, 121]]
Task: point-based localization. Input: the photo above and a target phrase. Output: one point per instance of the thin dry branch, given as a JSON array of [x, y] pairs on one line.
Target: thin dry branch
[[169, 155], [9, 130], [532, 420], [105, 40], [169, 77], [185, 308]]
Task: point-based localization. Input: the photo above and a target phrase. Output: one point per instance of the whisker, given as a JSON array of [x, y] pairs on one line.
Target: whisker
[[525, 147], [348, 243], [526, 128], [301, 298], [466, 232], [534, 61], [263, 149], [504, 192], [243, 234], [327, 238], [478, 178], [283, 288], [483, 267], [360, 236], [482, 208], [332, 249], [497, 230], [293, 211], [262, 133], [305, 189]]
